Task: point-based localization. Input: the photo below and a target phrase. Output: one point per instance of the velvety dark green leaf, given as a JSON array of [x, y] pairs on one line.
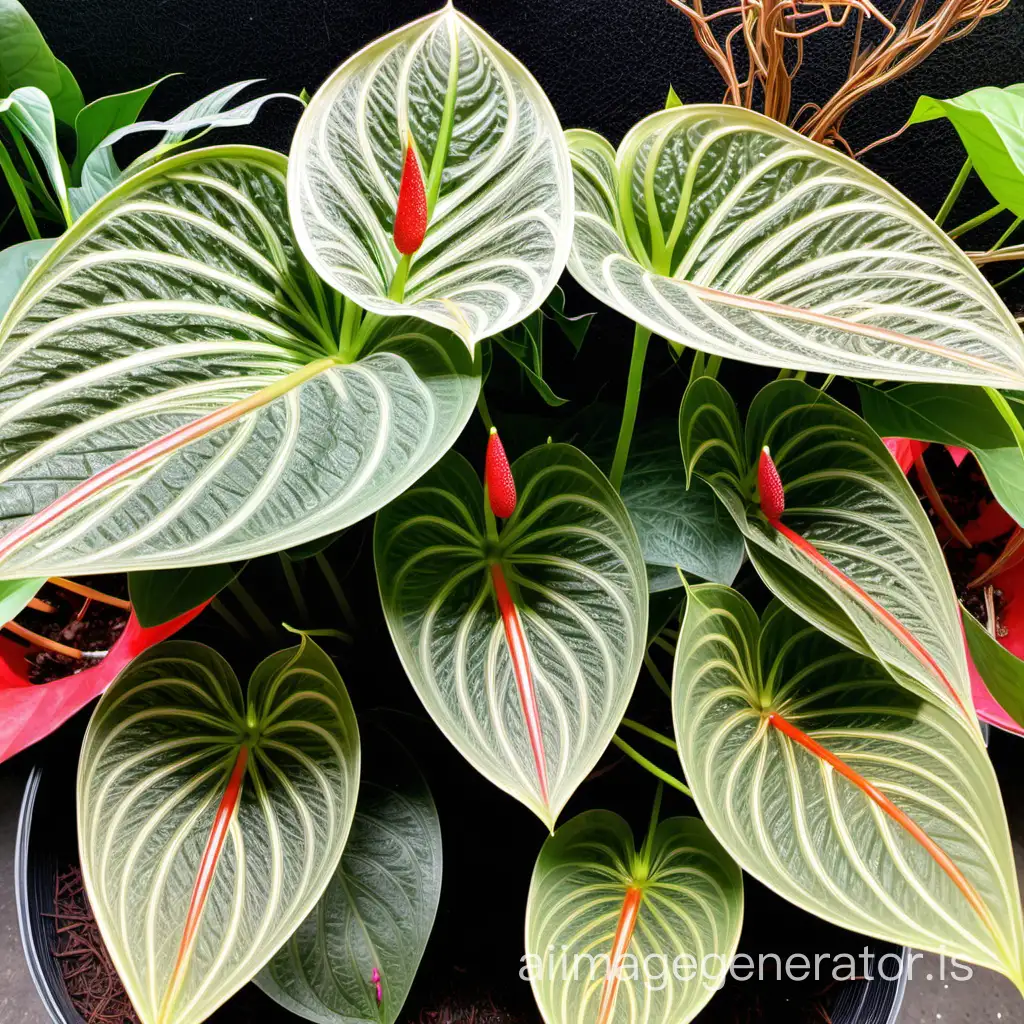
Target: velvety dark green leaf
[[378, 909], [720, 229], [202, 410], [172, 743], [846, 496], [990, 123], [163, 594], [963, 416], [1002, 671], [576, 587], [685, 898], [841, 790], [678, 526]]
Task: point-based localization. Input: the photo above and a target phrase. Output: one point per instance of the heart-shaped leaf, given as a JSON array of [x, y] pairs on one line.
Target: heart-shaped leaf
[[494, 163], [720, 229], [955, 415], [990, 123], [201, 410], [525, 649], [210, 823], [841, 790], [855, 553], [377, 912], [643, 936]]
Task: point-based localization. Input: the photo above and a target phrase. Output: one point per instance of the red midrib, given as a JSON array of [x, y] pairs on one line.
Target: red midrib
[[229, 802], [623, 935], [885, 804], [517, 649], [894, 625]]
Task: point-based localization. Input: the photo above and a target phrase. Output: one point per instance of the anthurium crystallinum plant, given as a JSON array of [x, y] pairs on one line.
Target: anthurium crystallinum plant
[[229, 354]]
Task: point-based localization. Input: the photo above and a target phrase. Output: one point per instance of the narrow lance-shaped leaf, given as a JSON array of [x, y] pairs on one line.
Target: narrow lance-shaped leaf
[[28, 111], [615, 936], [372, 923], [834, 785], [524, 649], [208, 823], [853, 552], [722, 230], [494, 166], [200, 410]]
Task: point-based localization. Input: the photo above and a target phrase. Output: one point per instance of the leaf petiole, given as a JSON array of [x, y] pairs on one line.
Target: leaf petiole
[[641, 337], [17, 187], [976, 222], [658, 773], [954, 192]]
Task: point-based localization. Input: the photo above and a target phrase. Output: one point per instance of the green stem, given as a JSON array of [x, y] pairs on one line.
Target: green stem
[[444, 131], [645, 850], [37, 179], [714, 365], [252, 609], [293, 585], [338, 634], [636, 374], [349, 325], [658, 773], [17, 187], [397, 290], [664, 645], [485, 413], [489, 518], [1004, 409], [1010, 277], [650, 733], [656, 675], [334, 585], [954, 192], [1006, 234], [976, 222]]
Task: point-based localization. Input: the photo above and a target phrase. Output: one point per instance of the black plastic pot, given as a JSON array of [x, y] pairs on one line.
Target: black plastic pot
[[47, 843]]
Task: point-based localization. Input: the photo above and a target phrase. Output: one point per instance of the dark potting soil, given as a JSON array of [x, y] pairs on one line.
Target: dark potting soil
[[88, 625], [89, 974]]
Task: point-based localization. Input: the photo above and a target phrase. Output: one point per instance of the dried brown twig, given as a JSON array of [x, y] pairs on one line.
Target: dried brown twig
[[758, 48]]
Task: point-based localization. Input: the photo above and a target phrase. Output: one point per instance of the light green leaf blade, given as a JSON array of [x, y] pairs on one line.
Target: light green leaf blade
[[572, 565], [154, 770], [377, 910], [499, 233], [691, 906], [990, 123], [957, 415], [1001, 670], [200, 411], [16, 263], [15, 594], [846, 496], [722, 230], [28, 110], [822, 837]]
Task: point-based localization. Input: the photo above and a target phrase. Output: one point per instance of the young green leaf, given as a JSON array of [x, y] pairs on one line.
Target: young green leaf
[[377, 911], [160, 595], [854, 552], [202, 411], [210, 823], [525, 650], [955, 415], [1001, 670], [722, 230], [834, 785], [28, 111], [990, 123], [498, 180], [613, 934]]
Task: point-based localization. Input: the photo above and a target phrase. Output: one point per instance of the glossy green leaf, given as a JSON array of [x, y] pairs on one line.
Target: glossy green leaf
[[15, 594], [26, 60], [684, 933], [98, 119], [848, 498], [1001, 670], [175, 759], [492, 154], [722, 230], [572, 565], [834, 785], [163, 594], [377, 911], [28, 111], [957, 415], [990, 123], [16, 263], [201, 411], [679, 526]]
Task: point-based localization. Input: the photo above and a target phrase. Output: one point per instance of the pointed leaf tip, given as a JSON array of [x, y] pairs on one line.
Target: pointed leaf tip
[[501, 487], [769, 486], [411, 209]]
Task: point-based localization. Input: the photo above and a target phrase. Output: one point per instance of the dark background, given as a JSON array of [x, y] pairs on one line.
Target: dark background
[[605, 64]]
